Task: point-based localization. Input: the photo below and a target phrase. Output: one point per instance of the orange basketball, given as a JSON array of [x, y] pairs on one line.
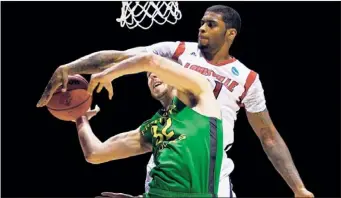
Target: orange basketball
[[73, 103]]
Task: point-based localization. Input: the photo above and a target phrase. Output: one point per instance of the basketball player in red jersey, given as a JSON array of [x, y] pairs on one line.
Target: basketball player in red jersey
[[234, 84]]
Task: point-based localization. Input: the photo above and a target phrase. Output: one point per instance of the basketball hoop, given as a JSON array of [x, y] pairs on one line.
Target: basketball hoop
[[133, 13]]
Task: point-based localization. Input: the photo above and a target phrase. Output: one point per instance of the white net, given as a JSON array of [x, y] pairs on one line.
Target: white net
[[134, 13]]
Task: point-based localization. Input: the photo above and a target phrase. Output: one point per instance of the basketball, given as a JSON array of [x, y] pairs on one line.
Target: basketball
[[73, 103]]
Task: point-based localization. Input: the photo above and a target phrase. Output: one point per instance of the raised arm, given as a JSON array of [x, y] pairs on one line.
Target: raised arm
[[90, 64], [170, 72], [97, 62], [120, 146], [193, 84]]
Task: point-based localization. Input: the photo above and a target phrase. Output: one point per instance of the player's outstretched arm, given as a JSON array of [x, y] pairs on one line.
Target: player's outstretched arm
[[120, 146], [171, 73], [97, 62], [89, 64], [277, 151], [193, 84], [272, 142]]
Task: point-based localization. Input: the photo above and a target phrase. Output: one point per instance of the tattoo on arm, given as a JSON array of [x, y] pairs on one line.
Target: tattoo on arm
[[275, 148], [92, 63], [99, 61], [279, 155]]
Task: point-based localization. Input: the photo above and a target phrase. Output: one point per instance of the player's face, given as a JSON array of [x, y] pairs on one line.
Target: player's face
[[157, 88], [212, 31]]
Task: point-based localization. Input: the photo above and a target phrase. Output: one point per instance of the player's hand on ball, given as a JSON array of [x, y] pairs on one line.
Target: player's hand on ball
[[115, 195], [102, 80], [59, 78], [303, 193], [91, 112]]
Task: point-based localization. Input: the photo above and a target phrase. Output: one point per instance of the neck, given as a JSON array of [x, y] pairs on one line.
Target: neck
[[218, 55], [166, 103], [166, 100]]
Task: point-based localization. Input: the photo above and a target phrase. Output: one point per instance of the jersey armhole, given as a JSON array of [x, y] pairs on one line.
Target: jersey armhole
[[249, 81], [179, 51]]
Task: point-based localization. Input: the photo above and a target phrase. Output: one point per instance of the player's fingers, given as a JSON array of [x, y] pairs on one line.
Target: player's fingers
[[91, 113], [91, 87], [42, 100], [50, 88], [49, 95], [100, 87], [97, 109], [110, 90], [64, 81], [110, 194], [45, 95], [107, 193], [117, 195]]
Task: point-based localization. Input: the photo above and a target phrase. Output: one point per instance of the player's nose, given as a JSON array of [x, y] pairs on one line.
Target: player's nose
[[202, 29], [153, 76]]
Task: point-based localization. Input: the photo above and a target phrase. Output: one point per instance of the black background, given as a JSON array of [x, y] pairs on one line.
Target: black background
[[294, 46]]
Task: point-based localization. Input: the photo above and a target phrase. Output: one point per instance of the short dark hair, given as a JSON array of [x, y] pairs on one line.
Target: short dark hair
[[230, 16]]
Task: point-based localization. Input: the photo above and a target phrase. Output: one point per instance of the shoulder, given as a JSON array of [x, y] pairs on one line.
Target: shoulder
[[171, 49], [241, 68], [253, 98], [148, 123], [244, 74], [187, 46], [174, 44], [204, 105]]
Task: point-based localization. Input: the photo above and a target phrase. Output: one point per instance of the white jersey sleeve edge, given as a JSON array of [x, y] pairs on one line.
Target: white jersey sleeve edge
[[165, 49], [254, 100]]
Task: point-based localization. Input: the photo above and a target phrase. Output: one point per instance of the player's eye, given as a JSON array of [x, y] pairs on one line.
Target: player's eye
[[211, 24], [202, 23]]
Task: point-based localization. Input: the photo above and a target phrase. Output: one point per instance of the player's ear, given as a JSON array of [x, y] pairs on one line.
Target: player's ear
[[231, 33]]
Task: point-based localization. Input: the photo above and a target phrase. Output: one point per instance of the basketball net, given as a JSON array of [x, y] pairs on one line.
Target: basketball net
[[133, 13]]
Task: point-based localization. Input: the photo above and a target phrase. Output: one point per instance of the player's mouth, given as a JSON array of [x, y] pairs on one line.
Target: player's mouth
[[157, 84], [202, 37]]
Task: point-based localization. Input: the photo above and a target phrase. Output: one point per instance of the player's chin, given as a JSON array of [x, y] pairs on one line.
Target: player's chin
[[160, 89], [202, 44], [159, 94]]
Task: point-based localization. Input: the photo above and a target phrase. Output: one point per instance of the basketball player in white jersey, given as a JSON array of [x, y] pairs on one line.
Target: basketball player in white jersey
[[234, 84]]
